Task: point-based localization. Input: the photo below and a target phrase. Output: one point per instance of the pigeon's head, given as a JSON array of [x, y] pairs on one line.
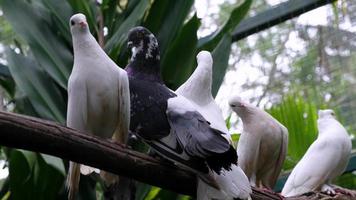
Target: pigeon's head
[[328, 113], [238, 105], [78, 24], [205, 56], [143, 44]]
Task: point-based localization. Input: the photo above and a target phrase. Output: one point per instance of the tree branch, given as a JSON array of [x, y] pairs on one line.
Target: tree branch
[[19, 131]]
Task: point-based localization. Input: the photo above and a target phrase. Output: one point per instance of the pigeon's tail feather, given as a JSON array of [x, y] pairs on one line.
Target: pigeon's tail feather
[[109, 178], [86, 170], [207, 192], [73, 180], [234, 182]]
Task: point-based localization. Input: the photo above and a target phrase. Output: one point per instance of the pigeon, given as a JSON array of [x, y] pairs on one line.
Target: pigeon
[[262, 146], [173, 126], [198, 90], [325, 159], [98, 96]]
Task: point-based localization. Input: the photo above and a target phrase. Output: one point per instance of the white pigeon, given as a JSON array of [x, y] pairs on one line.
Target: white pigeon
[[98, 96], [198, 90], [325, 159], [262, 146]]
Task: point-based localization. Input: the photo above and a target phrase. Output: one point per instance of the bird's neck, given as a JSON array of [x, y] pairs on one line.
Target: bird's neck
[[198, 86], [246, 115], [84, 44]]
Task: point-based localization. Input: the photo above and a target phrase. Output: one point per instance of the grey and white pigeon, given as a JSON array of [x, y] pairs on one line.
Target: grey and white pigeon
[[98, 95], [198, 90], [262, 147], [172, 125], [325, 159]]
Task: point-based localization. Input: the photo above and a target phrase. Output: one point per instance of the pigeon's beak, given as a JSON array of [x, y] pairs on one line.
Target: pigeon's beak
[[83, 24], [129, 44]]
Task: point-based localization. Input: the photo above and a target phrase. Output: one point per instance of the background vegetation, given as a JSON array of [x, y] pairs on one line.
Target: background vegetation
[[36, 59]]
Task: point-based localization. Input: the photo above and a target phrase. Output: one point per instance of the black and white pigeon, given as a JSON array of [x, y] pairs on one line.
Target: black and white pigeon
[[173, 127]]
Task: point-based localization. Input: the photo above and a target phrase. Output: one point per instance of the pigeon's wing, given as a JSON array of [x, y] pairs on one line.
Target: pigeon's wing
[[281, 157], [77, 104], [121, 132], [77, 119], [195, 135], [313, 169]]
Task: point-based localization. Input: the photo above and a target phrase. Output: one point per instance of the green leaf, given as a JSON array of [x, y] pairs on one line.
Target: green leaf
[[115, 43], [47, 180], [178, 63], [42, 92], [6, 196], [209, 42], [54, 162], [20, 179], [50, 53], [60, 15], [221, 56], [170, 22]]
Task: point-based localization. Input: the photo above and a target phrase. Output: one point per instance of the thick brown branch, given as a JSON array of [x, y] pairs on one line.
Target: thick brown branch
[[38, 135]]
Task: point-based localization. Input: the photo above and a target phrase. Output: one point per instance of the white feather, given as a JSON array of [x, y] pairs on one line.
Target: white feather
[[262, 146], [325, 159], [197, 89], [97, 93]]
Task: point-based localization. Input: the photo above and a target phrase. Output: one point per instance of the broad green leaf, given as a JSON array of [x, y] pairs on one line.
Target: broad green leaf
[[110, 15], [158, 10], [20, 179], [209, 42], [170, 22], [47, 180], [42, 92], [115, 43], [61, 13], [6, 196], [178, 63], [50, 53], [235, 137], [153, 193], [54, 162], [221, 55]]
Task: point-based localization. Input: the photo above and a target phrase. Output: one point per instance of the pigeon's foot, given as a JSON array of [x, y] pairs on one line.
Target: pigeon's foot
[[270, 191], [327, 189], [345, 191]]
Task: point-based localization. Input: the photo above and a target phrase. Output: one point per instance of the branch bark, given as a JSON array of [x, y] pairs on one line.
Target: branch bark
[[19, 131]]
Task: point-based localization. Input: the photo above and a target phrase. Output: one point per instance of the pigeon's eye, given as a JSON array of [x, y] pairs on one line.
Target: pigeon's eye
[[333, 114], [72, 22]]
